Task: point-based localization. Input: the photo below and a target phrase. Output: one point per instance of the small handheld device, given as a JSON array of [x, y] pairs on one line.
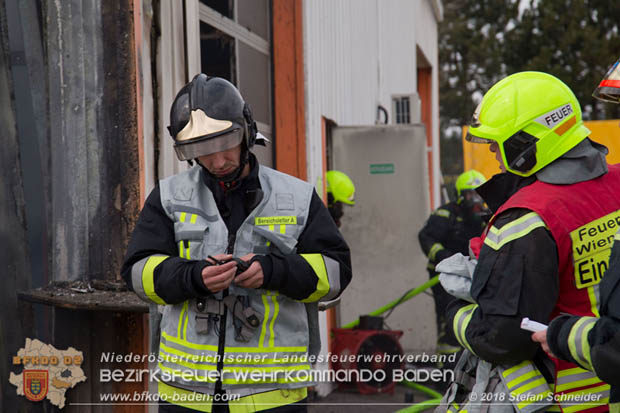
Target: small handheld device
[[241, 265], [533, 326]]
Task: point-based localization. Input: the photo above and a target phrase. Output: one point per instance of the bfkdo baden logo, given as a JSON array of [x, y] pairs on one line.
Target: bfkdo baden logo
[[47, 372], [35, 384]]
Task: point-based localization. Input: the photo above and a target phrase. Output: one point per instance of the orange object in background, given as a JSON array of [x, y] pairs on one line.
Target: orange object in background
[[367, 351], [478, 156]]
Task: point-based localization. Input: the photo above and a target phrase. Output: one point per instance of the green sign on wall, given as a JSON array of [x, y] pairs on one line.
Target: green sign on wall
[[381, 168]]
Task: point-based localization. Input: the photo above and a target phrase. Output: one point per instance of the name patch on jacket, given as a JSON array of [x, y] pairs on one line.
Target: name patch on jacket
[[592, 244], [289, 220]]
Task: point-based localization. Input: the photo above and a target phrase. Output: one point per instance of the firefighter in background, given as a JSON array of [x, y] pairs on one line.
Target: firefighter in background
[[594, 342], [534, 262], [340, 190], [446, 232], [237, 255]]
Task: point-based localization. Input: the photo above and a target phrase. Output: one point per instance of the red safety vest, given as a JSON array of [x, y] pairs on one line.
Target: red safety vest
[[582, 219]]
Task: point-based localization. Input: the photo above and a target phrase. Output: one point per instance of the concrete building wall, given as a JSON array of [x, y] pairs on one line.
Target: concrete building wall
[[381, 229]]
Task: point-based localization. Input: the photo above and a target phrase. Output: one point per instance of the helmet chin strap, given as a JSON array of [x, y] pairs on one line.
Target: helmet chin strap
[[233, 177]]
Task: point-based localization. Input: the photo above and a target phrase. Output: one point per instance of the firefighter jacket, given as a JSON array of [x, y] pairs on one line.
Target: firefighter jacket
[[448, 231], [594, 342], [206, 342], [555, 271]]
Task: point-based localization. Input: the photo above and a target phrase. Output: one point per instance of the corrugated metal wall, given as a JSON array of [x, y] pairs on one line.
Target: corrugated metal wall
[[13, 236], [70, 176], [172, 74], [92, 151], [341, 55]]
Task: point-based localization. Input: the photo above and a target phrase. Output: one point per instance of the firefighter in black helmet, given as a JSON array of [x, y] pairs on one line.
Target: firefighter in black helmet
[[209, 116], [237, 255]]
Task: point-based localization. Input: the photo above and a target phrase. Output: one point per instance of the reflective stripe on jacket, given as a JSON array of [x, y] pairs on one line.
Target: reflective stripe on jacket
[[480, 386], [247, 404]]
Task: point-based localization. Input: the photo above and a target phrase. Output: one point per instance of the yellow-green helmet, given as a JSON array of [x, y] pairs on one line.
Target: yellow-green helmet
[[534, 118], [341, 187], [471, 179]]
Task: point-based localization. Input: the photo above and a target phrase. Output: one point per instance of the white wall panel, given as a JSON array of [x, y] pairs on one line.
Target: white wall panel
[[357, 54], [171, 76]]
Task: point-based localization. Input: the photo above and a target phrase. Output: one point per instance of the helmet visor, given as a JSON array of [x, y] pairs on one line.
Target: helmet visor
[[475, 123], [476, 139], [207, 145], [609, 88]]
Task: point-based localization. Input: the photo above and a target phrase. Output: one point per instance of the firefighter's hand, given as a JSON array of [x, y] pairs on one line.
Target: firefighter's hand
[[252, 277], [218, 277], [541, 337]]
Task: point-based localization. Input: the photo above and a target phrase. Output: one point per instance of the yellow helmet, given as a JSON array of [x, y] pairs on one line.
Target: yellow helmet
[[534, 118], [341, 187], [471, 179]]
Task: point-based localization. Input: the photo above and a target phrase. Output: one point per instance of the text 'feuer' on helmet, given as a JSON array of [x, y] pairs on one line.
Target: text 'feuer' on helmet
[[533, 117]]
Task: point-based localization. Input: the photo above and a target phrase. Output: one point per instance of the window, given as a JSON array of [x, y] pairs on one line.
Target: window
[[406, 109], [219, 59], [235, 45], [402, 110]]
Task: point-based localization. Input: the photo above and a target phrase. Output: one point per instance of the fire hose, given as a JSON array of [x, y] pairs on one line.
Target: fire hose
[[436, 397]]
